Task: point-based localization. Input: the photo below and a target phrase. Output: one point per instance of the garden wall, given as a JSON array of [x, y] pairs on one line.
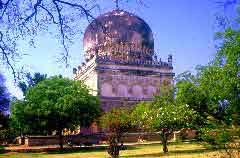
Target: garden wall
[[42, 140], [127, 138]]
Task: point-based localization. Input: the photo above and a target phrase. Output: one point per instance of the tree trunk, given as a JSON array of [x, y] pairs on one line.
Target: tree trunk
[[113, 149], [164, 136], [60, 139], [164, 142]]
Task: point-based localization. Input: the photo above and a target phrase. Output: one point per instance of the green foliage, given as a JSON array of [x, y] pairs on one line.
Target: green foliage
[[164, 115], [216, 137], [188, 92], [117, 121], [20, 118], [7, 134], [31, 81], [228, 61], [140, 115], [215, 93], [215, 90], [156, 116], [163, 112], [54, 104]]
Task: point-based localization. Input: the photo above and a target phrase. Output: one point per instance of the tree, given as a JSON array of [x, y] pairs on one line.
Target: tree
[[163, 117], [31, 18], [215, 90], [54, 104], [116, 121], [224, 72], [164, 114], [31, 81], [4, 96]]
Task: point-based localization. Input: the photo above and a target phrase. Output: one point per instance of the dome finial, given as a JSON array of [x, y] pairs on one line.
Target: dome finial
[[117, 4]]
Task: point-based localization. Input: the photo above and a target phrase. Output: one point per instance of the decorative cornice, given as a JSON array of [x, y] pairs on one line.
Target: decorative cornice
[[142, 63], [102, 98]]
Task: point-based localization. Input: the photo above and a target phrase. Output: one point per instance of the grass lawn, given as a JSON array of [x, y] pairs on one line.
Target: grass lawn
[[183, 150]]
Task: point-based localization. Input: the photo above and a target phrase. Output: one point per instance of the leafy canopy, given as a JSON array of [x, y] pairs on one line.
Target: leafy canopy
[[157, 116], [116, 120], [54, 104], [215, 90], [31, 80], [164, 114]]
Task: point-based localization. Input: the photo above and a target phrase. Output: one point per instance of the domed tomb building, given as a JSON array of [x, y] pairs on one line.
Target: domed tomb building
[[121, 66]]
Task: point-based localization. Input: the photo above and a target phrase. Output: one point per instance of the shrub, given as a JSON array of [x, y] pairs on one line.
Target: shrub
[[215, 137], [7, 136]]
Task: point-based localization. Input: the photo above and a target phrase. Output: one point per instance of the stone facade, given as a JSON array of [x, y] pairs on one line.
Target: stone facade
[[117, 83], [120, 65]]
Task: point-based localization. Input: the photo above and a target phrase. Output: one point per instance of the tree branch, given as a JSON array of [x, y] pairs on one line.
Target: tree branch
[[49, 13], [34, 12], [5, 8], [6, 58], [65, 57]]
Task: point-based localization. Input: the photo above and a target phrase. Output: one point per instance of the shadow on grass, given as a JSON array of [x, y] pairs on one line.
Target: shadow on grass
[[1, 149], [85, 150], [91, 149], [170, 153]]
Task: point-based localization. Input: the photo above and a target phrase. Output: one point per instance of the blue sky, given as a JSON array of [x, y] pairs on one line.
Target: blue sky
[[183, 28]]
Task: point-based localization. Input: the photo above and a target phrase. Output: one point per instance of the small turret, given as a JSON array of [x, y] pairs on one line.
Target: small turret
[[170, 60], [155, 58], [74, 71]]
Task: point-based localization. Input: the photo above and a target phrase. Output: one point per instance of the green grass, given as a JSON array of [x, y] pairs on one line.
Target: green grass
[[182, 150]]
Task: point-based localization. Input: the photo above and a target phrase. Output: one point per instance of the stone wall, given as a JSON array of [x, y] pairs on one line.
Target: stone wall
[[127, 138], [42, 140], [101, 138]]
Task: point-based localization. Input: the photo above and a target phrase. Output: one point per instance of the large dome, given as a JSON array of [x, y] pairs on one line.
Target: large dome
[[124, 31]]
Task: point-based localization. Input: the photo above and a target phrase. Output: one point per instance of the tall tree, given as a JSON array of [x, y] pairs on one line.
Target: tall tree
[[117, 122], [215, 89], [223, 75], [165, 118], [164, 114], [54, 104]]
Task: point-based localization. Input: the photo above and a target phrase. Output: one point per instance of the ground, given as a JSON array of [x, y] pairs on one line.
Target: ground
[[181, 150]]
